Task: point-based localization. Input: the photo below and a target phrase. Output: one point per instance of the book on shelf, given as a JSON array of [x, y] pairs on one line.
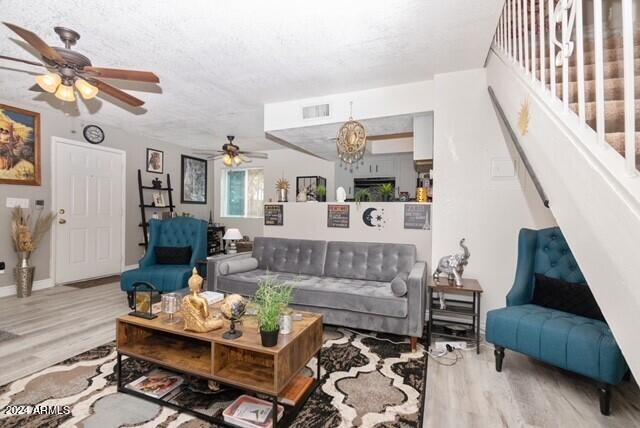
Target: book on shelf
[[295, 390], [250, 412], [212, 296], [156, 383]]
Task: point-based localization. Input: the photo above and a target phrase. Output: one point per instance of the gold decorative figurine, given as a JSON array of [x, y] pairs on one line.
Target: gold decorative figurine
[[195, 309]]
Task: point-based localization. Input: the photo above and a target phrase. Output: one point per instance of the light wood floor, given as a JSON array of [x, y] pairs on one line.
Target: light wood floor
[[60, 322], [54, 324], [526, 393]]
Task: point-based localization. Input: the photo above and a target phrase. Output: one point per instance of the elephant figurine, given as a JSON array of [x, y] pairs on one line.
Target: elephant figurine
[[453, 265]]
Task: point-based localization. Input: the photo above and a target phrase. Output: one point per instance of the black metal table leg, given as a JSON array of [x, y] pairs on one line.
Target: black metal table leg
[[119, 372], [478, 326], [430, 323], [274, 416]]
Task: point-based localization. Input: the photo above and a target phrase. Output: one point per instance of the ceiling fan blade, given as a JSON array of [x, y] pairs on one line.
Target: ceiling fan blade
[[117, 93], [21, 60], [35, 41], [115, 73], [208, 152], [255, 155]]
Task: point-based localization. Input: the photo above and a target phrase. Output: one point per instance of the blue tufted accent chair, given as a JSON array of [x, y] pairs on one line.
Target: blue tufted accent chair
[[578, 344], [175, 232]]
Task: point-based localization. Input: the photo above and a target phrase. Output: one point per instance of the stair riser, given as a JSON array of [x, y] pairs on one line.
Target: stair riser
[[613, 90], [610, 69], [616, 140], [608, 55], [614, 115]]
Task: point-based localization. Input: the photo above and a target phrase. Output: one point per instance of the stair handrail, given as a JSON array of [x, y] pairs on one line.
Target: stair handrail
[[518, 146]]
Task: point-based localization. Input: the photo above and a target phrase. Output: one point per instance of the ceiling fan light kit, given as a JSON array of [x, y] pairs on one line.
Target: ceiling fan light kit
[[65, 93], [68, 68], [49, 82]]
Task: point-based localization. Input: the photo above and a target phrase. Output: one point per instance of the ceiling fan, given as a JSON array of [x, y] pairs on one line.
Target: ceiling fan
[[68, 68], [231, 154]]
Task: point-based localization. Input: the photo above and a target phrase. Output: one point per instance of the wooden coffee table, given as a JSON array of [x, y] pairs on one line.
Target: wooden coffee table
[[243, 363]]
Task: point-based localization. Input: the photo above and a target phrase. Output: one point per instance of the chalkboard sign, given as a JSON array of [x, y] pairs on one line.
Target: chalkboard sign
[[273, 215], [338, 216], [417, 216]]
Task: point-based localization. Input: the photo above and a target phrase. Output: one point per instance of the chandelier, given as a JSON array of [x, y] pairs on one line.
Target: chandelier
[[351, 141]]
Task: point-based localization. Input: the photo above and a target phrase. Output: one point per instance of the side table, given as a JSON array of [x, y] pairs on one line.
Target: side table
[[466, 313]]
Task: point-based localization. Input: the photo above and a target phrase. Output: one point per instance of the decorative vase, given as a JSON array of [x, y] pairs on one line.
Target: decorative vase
[[24, 273], [282, 195], [269, 338]]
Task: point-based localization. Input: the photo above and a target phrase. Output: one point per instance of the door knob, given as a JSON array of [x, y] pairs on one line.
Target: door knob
[[61, 211], [62, 221]]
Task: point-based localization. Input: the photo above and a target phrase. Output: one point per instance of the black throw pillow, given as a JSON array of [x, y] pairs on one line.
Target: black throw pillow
[[575, 298], [173, 255]]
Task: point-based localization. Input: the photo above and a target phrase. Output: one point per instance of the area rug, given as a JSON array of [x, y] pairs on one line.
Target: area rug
[[7, 335], [367, 380]]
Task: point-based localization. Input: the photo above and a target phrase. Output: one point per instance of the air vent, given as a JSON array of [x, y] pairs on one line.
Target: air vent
[[315, 112]]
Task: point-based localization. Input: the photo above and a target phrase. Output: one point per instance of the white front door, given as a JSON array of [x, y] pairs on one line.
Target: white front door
[[88, 197]]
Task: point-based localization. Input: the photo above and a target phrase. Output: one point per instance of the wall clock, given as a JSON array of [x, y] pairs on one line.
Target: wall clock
[[93, 134]]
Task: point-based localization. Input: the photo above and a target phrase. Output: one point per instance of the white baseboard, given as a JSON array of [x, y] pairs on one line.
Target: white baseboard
[[10, 290], [130, 267]]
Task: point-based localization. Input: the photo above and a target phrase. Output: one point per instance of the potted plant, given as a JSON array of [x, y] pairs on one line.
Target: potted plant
[[26, 234], [386, 191], [282, 186], [321, 193], [362, 195], [271, 300]]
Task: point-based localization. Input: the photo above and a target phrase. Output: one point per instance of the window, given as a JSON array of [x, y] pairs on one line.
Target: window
[[242, 192]]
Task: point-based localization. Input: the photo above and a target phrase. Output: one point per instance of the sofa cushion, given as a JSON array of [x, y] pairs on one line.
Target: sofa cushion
[[565, 296], [237, 265], [399, 284], [368, 260], [572, 342], [301, 256], [163, 277], [372, 297]]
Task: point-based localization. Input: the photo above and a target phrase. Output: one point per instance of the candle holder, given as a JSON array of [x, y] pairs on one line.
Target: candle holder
[[170, 306]]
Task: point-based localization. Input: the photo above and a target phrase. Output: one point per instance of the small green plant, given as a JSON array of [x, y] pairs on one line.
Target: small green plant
[[321, 192], [386, 191], [271, 300], [362, 195]]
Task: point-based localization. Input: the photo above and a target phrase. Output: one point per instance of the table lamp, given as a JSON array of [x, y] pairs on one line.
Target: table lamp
[[232, 235]]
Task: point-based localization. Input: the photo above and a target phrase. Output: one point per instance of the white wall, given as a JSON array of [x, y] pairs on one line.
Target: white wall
[[285, 163], [309, 221], [468, 203], [371, 103], [55, 123]]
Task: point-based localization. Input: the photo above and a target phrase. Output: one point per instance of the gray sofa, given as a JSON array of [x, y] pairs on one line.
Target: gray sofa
[[373, 286]]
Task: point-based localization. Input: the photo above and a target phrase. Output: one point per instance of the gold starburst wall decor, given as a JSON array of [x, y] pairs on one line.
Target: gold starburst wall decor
[[524, 117]]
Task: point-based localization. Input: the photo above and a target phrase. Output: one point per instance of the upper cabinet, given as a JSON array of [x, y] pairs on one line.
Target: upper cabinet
[[423, 137]]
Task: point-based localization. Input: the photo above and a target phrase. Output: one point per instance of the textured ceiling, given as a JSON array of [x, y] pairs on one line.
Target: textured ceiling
[[220, 61]]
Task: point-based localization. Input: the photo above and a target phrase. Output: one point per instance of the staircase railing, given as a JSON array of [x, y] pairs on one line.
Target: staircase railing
[[545, 39]]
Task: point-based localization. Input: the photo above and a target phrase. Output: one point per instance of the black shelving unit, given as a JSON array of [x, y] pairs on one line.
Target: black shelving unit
[[458, 312], [215, 243], [144, 224]]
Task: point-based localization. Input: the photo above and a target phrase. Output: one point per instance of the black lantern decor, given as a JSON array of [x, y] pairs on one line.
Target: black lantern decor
[[142, 302]]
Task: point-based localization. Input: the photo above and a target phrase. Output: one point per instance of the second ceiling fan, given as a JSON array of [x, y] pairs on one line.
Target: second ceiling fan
[[231, 154], [68, 68]]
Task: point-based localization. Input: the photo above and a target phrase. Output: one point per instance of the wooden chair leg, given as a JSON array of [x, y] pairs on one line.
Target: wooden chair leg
[[499, 353], [604, 391], [414, 343]]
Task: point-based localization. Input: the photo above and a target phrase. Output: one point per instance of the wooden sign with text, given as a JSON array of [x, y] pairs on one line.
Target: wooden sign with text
[[338, 216], [273, 215]]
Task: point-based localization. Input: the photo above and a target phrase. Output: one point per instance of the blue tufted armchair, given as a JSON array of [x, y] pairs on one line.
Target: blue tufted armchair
[[575, 343], [175, 232]]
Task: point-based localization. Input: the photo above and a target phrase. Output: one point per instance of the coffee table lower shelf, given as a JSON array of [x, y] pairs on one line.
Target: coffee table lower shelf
[[288, 416]]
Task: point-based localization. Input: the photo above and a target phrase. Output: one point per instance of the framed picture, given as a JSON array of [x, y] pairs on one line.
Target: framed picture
[[19, 146], [158, 199], [155, 161], [194, 180]]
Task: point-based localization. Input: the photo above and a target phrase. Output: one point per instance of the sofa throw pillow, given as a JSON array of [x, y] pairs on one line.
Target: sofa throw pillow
[[574, 298], [399, 284], [173, 255], [239, 265]]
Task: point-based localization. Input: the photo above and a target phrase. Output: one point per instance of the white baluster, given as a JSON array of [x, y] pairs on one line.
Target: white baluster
[[543, 65], [509, 32], [580, 60], [525, 35], [597, 36], [629, 87], [566, 39], [532, 30], [552, 50], [520, 48]]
